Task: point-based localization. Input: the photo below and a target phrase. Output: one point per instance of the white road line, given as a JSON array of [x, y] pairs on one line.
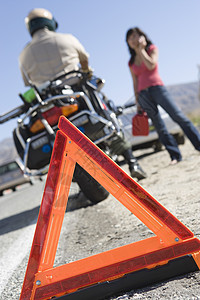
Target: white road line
[[15, 254]]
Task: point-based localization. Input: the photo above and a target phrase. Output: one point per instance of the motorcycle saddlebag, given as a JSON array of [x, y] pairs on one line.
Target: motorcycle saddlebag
[[40, 148]]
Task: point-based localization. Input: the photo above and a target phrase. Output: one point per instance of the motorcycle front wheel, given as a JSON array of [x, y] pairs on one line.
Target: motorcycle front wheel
[[89, 186]]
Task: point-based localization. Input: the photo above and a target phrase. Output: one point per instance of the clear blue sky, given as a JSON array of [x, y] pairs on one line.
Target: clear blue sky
[[173, 25]]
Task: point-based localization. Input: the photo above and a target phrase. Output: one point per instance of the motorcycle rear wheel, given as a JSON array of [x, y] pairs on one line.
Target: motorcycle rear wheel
[[89, 186]]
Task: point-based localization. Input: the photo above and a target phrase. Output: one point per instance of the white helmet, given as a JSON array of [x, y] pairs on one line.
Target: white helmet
[[39, 18]]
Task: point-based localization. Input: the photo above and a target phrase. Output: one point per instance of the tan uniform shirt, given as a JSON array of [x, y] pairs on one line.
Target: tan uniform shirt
[[49, 54]]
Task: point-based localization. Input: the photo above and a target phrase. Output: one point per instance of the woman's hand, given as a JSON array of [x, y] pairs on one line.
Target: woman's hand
[[150, 60], [139, 108], [142, 42]]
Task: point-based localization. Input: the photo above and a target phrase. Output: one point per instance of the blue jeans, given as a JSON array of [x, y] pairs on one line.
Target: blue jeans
[[149, 99]]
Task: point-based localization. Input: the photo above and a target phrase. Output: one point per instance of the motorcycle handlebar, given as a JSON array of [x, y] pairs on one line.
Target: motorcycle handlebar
[[129, 105], [13, 113]]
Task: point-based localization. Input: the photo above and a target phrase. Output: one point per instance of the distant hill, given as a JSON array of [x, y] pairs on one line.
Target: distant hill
[[185, 95]]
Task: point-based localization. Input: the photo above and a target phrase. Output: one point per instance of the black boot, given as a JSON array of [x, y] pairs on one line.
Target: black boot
[[134, 167]]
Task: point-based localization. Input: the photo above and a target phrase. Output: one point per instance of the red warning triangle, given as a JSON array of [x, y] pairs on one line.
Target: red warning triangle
[[172, 241]]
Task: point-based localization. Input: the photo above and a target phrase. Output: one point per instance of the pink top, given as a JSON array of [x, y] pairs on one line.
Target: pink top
[[146, 77]]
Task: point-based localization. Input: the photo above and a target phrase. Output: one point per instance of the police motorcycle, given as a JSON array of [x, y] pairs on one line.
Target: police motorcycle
[[81, 100]]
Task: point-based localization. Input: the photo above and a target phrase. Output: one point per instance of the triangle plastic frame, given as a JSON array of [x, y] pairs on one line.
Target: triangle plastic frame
[[172, 241]]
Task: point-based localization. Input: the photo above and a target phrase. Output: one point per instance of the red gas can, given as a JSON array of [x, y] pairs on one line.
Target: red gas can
[[140, 124]]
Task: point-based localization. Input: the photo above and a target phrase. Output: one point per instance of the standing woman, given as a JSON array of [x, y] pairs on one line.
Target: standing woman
[[151, 92]]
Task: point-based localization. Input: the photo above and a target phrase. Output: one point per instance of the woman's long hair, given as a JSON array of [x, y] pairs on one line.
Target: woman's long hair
[[132, 51]]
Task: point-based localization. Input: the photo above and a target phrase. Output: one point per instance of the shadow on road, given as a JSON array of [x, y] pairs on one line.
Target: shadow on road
[[143, 155], [29, 217], [19, 220]]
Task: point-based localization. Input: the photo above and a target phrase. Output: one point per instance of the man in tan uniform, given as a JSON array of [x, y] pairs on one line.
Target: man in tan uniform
[[50, 54]]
